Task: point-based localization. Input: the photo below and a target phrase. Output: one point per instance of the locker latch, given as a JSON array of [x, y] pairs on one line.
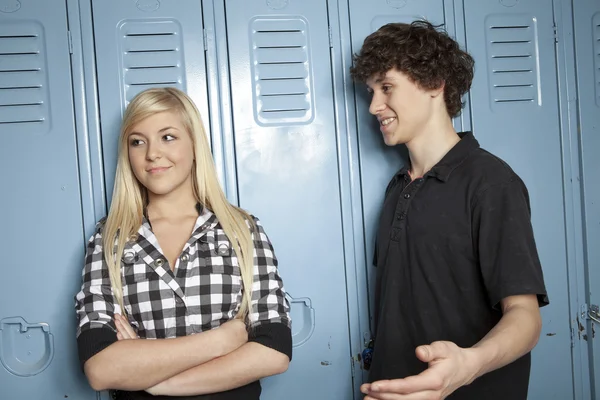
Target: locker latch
[[592, 312]]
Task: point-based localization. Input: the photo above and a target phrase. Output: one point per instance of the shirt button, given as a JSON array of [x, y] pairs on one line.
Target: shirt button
[[407, 195], [129, 257], [403, 215], [223, 249], [159, 263], [420, 180], [185, 257]]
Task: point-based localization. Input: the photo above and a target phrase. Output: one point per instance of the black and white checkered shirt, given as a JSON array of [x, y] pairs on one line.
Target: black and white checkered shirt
[[203, 291]]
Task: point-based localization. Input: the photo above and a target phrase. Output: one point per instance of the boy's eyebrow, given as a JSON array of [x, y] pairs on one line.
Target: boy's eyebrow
[[385, 78]]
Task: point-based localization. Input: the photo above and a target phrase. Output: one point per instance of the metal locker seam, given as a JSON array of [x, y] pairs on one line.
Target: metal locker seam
[[219, 92], [356, 273], [586, 38], [91, 194], [567, 96], [454, 23]]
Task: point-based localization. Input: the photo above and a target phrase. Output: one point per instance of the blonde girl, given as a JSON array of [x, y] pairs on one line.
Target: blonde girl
[[181, 294]]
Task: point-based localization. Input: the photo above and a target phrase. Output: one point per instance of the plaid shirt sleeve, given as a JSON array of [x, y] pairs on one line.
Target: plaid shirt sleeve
[[94, 303], [269, 318]]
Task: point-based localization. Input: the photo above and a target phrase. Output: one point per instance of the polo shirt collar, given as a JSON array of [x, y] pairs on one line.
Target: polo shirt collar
[[455, 156]]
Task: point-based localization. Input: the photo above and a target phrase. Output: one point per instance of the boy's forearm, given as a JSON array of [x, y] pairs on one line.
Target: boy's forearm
[[515, 335]]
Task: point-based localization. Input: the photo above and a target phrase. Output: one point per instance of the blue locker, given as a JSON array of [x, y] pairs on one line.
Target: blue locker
[[266, 78], [287, 172], [515, 114], [587, 47], [379, 163], [41, 218], [140, 45]]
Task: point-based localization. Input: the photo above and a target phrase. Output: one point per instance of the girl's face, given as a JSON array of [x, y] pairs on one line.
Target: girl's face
[[161, 154]]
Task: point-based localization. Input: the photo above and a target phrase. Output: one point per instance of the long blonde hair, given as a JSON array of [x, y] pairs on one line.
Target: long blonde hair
[[130, 197]]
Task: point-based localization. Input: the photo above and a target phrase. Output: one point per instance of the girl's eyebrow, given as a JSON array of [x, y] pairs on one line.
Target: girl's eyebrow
[[136, 133], [166, 128]]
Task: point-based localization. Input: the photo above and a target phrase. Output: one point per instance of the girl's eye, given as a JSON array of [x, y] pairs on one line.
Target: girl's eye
[[169, 137], [136, 142]]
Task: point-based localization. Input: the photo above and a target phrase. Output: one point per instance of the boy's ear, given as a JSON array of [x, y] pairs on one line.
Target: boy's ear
[[438, 91]]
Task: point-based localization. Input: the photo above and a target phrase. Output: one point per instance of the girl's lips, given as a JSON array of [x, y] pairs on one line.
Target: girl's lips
[[157, 170]]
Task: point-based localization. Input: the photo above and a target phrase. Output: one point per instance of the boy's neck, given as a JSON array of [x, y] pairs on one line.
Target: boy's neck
[[431, 145]]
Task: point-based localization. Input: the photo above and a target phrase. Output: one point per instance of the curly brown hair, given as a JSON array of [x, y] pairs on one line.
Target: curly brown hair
[[426, 54]]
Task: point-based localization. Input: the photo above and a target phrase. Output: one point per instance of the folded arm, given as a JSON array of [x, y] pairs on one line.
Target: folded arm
[[140, 364], [245, 365], [269, 348], [135, 364]]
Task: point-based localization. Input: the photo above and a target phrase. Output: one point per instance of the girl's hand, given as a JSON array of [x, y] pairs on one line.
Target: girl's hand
[[124, 329]]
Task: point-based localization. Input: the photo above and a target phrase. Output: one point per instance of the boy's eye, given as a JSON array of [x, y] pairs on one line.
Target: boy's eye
[[386, 88]]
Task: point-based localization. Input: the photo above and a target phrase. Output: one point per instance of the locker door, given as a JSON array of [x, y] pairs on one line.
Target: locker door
[[379, 163], [587, 42], [287, 173], [140, 45], [41, 215], [515, 115]]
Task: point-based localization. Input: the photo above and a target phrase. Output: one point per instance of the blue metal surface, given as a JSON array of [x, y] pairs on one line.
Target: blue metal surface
[[87, 121], [349, 167], [573, 195], [287, 170], [140, 45], [314, 171], [41, 216], [217, 75], [514, 108], [587, 47]]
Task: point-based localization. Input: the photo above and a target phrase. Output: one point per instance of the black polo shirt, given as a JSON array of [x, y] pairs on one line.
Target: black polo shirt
[[450, 246]]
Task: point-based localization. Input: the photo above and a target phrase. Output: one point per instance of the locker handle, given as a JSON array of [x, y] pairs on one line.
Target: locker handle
[[303, 319], [25, 349], [594, 313]]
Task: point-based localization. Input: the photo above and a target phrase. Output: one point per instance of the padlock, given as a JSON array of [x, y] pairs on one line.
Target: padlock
[[367, 356]]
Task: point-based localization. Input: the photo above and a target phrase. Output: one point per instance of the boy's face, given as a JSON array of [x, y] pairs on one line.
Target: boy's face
[[402, 108]]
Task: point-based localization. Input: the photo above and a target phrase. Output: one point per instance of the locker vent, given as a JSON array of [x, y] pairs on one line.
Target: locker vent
[[281, 71], [23, 77], [512, 57], [596, 30], [151, 56]]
